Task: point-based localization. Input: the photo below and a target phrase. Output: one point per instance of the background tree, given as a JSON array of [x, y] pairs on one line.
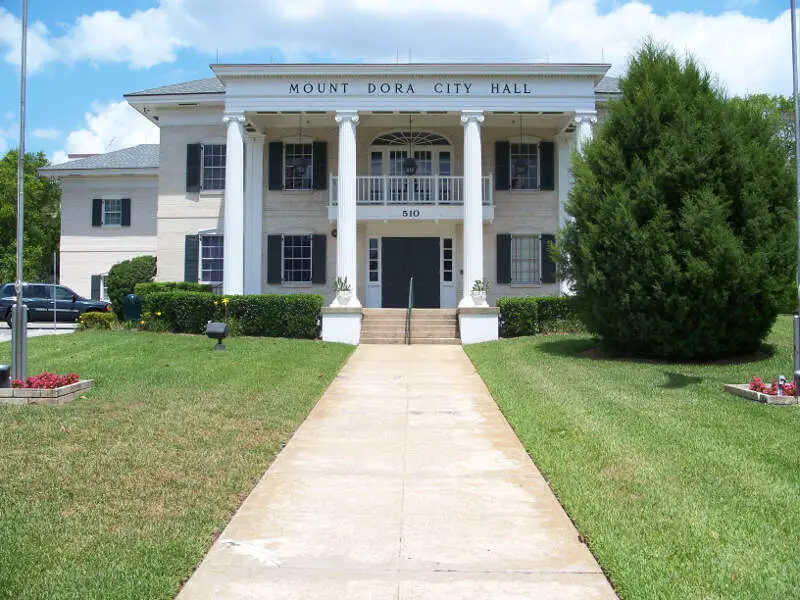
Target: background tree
[[123, 277], [683, 206], [780, 111], [42, 219]]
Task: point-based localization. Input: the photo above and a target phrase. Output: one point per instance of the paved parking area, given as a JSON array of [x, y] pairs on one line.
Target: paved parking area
[[38, 329], [405, 482]]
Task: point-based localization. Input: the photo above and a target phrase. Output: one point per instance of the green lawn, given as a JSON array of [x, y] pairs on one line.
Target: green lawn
[[682, 491], [120, 494]]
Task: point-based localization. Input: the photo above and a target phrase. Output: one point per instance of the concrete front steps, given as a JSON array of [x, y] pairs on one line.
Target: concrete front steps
[[428, 326]]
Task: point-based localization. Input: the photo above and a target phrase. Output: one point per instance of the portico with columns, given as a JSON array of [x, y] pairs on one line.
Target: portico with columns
[[373, 174]]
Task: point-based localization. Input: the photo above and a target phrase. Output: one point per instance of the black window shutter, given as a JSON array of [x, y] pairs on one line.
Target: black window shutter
[[502, 172], [95, 287], [191, 257], [319, 245], [276, 165], [126, 212], [274, 251], [97, 212], [503, 258], [547, 164], [320, 159], [194, 154], [548, 264]]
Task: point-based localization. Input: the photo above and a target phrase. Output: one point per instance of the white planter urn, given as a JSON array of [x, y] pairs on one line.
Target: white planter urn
[[343, 297], [479, 298]]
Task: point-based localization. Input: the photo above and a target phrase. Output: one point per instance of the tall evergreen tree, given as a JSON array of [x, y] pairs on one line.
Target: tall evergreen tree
[[42, 225], [683, 232]]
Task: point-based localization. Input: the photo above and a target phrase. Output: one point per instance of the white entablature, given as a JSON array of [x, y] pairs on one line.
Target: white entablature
[[412, 88]]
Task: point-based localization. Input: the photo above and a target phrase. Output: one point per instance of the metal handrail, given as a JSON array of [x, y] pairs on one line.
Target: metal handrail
[[410, 305]]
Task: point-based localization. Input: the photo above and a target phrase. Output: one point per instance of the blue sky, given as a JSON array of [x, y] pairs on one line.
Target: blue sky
[[86, 59]]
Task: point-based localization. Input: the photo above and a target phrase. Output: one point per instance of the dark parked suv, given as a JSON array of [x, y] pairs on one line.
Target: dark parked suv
[[42, 298]]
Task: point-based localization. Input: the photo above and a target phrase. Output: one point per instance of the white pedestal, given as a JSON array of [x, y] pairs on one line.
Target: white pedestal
[[479, 324], [341, 325]]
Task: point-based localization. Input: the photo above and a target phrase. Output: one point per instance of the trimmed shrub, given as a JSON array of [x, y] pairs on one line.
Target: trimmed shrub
[[123, 277], [98, 320], [269, 315], [277, 315], [141, 289], [682, 243], [183, 312], [531, 315]]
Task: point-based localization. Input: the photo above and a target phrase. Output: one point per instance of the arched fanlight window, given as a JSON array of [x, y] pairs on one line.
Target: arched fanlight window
[[413, 138]]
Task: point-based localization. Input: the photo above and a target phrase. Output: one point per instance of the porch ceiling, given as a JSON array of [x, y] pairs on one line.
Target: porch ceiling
[[545, 122]]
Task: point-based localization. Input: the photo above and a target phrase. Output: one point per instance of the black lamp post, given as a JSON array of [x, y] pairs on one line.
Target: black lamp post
[[410, 163]]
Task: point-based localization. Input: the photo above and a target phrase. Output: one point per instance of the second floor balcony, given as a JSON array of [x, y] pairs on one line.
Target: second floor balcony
[[411, 196]]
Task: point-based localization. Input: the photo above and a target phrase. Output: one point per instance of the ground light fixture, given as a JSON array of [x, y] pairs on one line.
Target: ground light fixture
[[796, 320], [5, 379], [217, 331]]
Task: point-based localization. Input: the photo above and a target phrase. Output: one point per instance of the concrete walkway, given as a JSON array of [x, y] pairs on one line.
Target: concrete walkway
[[405, 482]]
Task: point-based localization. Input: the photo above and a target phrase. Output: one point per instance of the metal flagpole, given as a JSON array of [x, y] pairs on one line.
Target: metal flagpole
[[19, 332], [55, 282], [797, 173]]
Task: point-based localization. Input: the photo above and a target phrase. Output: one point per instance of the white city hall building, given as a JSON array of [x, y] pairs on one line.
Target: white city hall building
[[282, 178]]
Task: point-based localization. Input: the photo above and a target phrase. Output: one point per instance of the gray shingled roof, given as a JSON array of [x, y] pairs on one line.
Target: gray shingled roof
[[608, 85], [212, 85], [143, 156]]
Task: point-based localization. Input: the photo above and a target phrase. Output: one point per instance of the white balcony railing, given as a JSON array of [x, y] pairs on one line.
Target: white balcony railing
[[390, 190]]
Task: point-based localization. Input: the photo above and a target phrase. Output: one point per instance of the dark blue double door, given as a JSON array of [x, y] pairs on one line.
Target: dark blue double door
[[404, 258]]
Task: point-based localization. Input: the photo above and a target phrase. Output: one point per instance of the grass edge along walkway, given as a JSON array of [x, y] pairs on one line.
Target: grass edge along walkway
[[121, 493], [681, 490]]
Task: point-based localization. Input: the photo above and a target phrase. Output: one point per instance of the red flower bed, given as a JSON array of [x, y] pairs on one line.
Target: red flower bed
[[45, 381], [757, 385]]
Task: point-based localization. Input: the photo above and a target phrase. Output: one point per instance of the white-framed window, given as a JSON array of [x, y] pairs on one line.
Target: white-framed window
[[112, 211], [212, 258], [447, 260], [298, 161], [524, 165], [526, 259], [104, 286], [296, 258], [213, 166], [374, 260]]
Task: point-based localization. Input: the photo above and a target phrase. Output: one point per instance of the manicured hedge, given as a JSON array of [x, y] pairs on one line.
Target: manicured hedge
[[140, 289], [272, 315], [531, 315], [124, 276], [98, 320]]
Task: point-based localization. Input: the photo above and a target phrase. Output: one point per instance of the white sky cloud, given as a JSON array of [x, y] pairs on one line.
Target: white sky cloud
[[9, 133], [748, 53], [46, 133], [108, 127]]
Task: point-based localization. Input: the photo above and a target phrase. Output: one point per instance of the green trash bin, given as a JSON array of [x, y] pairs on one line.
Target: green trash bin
[[132, 308]]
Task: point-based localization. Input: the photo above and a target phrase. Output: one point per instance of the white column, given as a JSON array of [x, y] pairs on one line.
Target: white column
[[585, 122], [473, 203], [346, 246], [566, 144], [253, 212], [233, 270]]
